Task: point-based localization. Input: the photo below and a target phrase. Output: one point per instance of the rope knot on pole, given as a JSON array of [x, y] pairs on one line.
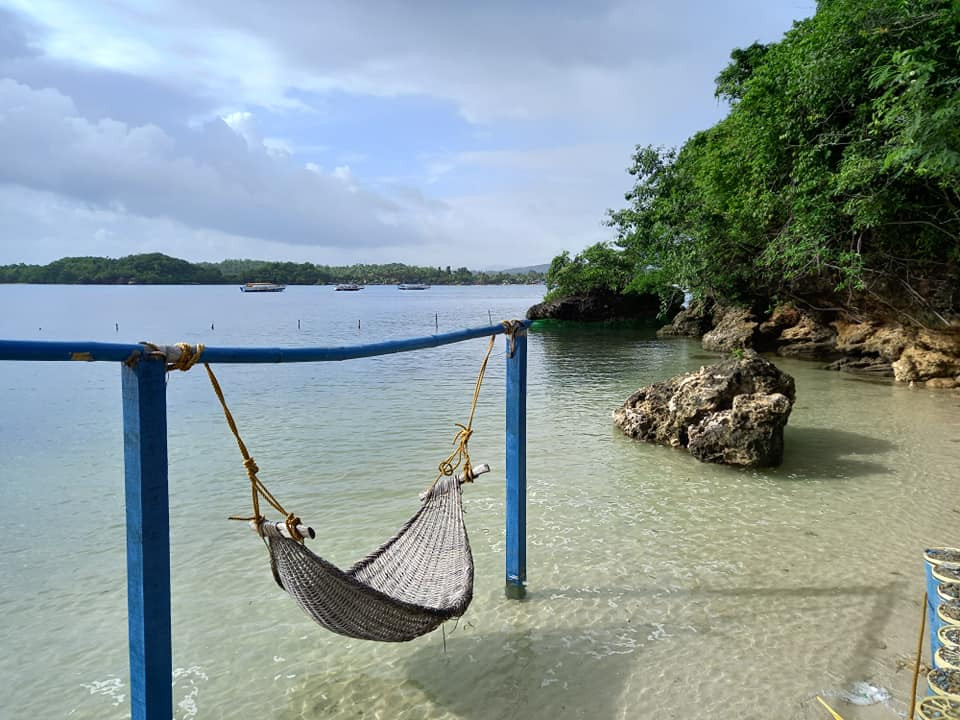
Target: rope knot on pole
[[181, 356], [189, 355], [512, 328]]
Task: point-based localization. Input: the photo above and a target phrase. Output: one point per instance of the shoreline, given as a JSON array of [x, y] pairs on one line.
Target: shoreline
[[877, 348]]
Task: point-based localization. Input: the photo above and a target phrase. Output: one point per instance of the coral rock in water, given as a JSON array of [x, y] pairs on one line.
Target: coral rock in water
[[733, 412]]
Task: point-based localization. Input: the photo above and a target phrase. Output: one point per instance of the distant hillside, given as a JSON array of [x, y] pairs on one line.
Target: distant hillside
[[538, 269], [159, 269]]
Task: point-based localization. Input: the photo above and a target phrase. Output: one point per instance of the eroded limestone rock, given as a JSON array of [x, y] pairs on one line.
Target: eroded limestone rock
[[919, 363], [733, 412], [692, 321], [734, 329]]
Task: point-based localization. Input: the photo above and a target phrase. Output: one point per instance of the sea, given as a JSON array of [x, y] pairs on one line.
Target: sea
[[658, 586]]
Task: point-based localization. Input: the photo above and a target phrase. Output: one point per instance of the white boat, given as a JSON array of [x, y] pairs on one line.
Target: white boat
[[348, 287], [262, 287], [412, 286]]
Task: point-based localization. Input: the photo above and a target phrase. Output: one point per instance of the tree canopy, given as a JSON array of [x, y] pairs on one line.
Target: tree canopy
[[156, 268], [833, 179]]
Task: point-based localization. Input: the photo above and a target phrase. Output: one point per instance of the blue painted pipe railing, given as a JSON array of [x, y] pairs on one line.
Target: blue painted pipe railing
[[145, 476], [119, 352]]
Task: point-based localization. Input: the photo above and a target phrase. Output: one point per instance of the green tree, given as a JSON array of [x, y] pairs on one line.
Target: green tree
[[834, 177]]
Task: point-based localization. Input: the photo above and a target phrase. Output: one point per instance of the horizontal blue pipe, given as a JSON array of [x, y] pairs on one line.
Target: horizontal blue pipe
[[116, 352]]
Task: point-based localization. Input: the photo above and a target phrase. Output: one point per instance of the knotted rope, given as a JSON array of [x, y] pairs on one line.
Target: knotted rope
[[460, 457], [188, 356], [257, 488]]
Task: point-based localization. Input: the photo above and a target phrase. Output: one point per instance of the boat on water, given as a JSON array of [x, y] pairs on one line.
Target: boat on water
[[262, 287], [412, 286], [348, 287]]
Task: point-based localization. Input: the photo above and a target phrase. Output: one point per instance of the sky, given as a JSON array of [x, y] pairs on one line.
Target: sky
[[478, 134]]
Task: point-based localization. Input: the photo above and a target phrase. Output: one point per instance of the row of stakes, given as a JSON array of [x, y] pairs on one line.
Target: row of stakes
[[943, 620], [436, 322]]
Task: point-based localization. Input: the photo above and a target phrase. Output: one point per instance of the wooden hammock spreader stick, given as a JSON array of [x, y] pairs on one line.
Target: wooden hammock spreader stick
[[476, 470], [304, 530], [308, 532]]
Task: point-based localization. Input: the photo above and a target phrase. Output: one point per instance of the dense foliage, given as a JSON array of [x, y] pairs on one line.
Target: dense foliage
[[156, 268], [604, 269], [834, 179]]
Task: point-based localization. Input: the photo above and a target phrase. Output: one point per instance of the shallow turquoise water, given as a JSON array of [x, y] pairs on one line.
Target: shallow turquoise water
[[656, 582]]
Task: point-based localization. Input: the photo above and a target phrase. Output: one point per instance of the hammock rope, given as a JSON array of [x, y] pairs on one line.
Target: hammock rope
[[410, 585], [460, 457]]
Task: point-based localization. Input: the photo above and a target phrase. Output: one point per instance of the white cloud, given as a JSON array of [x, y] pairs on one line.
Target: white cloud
[[615, 60], [278, 147], [242, 123], [344, 174], [109, 148], [115, 189], [214, 179], [556, 201]]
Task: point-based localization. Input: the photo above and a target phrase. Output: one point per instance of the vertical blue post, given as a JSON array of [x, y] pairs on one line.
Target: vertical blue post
[[148, 539], [516, 547]]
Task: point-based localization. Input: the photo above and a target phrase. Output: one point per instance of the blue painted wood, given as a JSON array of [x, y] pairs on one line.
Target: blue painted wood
[[148, 539], [516, 440], [89, 351]]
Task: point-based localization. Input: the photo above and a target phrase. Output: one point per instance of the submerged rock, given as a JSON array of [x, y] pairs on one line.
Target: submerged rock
[[733, 412], [868, 366]]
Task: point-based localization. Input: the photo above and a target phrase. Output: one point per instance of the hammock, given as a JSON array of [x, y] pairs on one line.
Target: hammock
[[407, 587]]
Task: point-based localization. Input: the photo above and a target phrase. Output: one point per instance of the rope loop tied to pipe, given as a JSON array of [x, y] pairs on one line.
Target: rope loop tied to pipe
[[513, 328]]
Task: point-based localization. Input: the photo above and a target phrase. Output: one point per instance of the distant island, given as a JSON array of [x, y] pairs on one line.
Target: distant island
[[160, 269]]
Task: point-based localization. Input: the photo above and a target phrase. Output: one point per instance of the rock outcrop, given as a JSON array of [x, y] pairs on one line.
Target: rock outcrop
[[878, 348], [921, 363], [733, 412], [601, 307], [734, 328], [692, 321]]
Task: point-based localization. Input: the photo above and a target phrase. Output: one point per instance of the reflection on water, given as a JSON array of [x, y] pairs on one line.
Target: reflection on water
[[658, 586]]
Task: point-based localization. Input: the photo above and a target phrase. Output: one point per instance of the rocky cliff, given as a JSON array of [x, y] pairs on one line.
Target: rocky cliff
[[879, 348]]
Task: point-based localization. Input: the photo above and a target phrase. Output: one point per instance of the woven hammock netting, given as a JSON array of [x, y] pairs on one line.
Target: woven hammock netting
[[407, 587]]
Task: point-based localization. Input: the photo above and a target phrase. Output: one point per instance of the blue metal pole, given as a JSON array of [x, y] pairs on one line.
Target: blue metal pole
[[90, 352], [516, 436], [148, 539]]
